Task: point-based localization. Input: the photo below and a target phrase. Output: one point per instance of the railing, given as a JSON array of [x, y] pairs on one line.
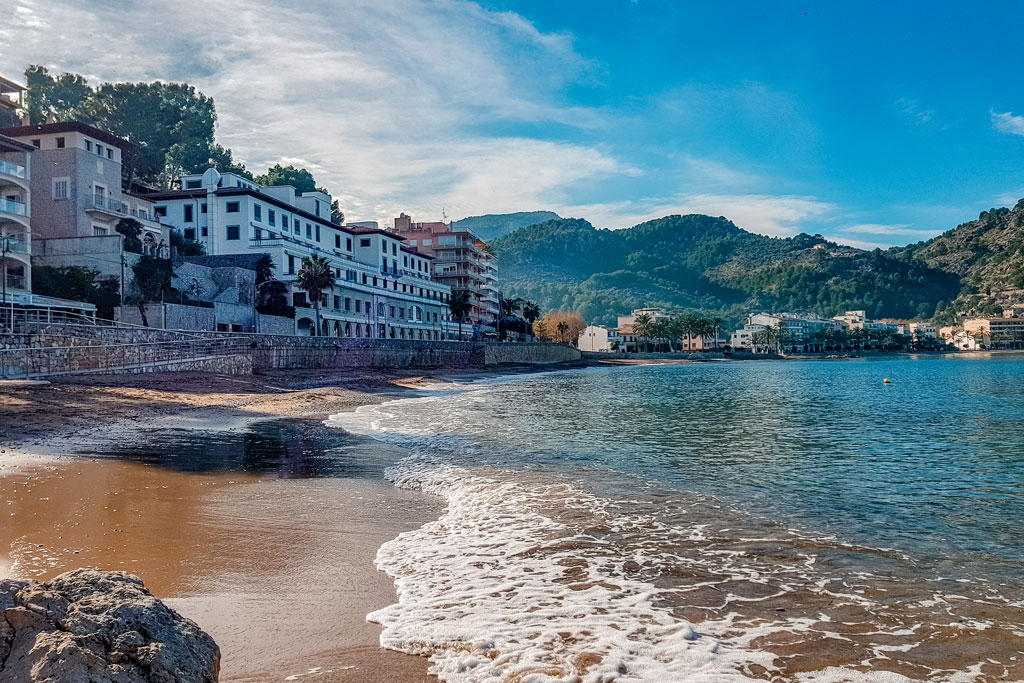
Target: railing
[[99, 358], [15, 281], [265, 242], [11, 245], [7, 168], [108, 204], [11, 206]]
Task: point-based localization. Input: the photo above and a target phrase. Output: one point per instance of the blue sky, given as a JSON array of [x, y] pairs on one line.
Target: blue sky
[[871, 123]]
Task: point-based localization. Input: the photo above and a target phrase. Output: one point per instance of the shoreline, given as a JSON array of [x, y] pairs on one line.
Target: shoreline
[[312, 582]]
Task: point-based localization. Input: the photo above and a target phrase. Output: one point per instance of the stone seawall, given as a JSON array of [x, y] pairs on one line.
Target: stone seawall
[[62, 350]]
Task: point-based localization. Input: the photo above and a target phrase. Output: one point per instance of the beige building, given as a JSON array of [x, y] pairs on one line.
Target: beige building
[[998, 333], [599, 338]]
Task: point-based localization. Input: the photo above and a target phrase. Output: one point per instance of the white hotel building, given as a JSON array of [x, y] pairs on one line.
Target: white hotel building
[[383, 289]]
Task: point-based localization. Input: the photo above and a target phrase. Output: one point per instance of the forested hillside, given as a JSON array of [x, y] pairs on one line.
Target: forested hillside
[[701, 262], [495, 225]]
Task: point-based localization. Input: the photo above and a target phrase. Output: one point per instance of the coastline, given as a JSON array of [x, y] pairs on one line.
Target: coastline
[[277, 568]]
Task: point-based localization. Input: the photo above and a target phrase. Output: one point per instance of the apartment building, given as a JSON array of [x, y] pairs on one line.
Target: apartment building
[[999, 333], [599, 338], [804, 331], [383, 288], [461, 261], [78, 200], [15, 218]]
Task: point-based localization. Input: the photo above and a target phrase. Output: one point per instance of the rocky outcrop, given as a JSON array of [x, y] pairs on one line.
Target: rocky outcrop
[[89, 626]]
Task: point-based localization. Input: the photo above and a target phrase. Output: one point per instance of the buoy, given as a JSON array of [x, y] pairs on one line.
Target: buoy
[[886, 381]]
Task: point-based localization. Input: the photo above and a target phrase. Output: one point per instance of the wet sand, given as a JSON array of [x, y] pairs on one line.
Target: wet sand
[[266, 539]]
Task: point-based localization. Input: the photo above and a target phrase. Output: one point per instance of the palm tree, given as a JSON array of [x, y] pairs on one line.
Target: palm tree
[[715, 324], [642, 327], [460, 305], [264, 269], [563, 329], [531, 312], [315, 276]]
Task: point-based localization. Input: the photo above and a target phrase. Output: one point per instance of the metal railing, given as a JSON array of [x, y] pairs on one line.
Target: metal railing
[[9, 245], [100, 358], [8, 168]]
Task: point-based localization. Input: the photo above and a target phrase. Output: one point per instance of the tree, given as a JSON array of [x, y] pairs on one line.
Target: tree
[[642, 327], [715, 325], [131, 229], [337, 215], [540, 331], [77, 283], [314, 276], [573, 321], [530, 313], [170, 125], [460, 305], [563, 329], [264, 269], [186, 247], [299, 178]]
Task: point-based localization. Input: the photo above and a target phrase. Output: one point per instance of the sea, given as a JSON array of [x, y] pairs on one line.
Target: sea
[[720, 521]]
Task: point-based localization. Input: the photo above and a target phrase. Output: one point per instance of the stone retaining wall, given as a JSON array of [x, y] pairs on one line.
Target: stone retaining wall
[[529, 353]]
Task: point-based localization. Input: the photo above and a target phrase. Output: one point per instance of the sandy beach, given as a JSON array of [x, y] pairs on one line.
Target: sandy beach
[[235, 528]]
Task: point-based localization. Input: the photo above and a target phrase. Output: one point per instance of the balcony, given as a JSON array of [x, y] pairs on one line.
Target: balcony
[[266, 243], [8, 168], [15, 281], [13, 207], [13, 246]]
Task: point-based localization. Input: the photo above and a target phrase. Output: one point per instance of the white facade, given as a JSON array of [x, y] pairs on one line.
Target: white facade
[[382, 288], [15, 218], [598, 338]]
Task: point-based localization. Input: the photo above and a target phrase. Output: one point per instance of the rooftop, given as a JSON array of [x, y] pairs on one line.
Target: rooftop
[[68, 127]]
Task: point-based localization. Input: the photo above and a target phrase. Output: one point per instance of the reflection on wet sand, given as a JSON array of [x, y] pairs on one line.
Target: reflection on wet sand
[[278, 569]]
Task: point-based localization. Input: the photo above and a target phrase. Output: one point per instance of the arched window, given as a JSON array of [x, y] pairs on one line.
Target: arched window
[[348, 329], [380, 310]]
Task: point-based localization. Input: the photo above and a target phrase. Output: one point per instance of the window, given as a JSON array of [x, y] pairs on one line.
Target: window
[[99, 150], [232, 207], [291, 265], [318, 233], [98, 231], [359, 306], [394, 248], [60, 188], [316, 207], [160, 211], [348, 243], [37, 144], [374, 280], [205, 231], [350, 275], [202, 208], [348, 303], [337, 241], [365, 242], [257, 212], [384, 246], [427, 243], [337, 301], [110, 153], [60, 143], [190, 233], [188, 213], [309, 231], [297, 226], [405, 261], [88, 144], [193, 184], [364, 278], [232, 232], [271, 216]]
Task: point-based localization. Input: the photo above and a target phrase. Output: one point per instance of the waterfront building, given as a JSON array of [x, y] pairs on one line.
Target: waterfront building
[[858, 320], [805, 332], [462, 261], [997, 333], [77, 201], [15, 218], [599, 338], [383, 288], [654, 314]]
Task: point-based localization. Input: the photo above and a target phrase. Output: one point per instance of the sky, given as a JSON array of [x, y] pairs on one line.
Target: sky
[[873, 124]]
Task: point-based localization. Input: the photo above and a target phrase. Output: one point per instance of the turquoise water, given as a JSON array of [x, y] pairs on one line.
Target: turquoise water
[[803, 516]]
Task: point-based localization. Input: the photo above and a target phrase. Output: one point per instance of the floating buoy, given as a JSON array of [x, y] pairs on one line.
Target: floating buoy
[[886, 381]]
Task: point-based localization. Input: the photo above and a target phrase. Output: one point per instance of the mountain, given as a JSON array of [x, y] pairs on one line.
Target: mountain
[[987, 254], [495, 225], [707, 263]]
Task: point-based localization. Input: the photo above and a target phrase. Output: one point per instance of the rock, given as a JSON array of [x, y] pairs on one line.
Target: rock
[[89, 626]]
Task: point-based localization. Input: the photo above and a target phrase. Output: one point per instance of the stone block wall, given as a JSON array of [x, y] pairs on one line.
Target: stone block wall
[[529, 353]]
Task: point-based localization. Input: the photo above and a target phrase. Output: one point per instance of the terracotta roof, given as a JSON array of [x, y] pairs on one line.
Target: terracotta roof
[[68, 127]]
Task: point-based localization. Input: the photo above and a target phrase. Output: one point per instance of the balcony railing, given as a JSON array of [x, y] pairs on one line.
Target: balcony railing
[[266, 242], [10, 245], [110, 204], [11, 206], [8, 168], [15, 281]]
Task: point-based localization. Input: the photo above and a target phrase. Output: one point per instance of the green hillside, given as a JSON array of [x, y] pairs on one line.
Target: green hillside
[[987, 253], [707, 263], [495, 225]]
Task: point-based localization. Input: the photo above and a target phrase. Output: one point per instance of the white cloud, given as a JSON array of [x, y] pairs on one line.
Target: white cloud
[[860, 244], [387, 102], [1008, 122], [898, 229], [912, 108]]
